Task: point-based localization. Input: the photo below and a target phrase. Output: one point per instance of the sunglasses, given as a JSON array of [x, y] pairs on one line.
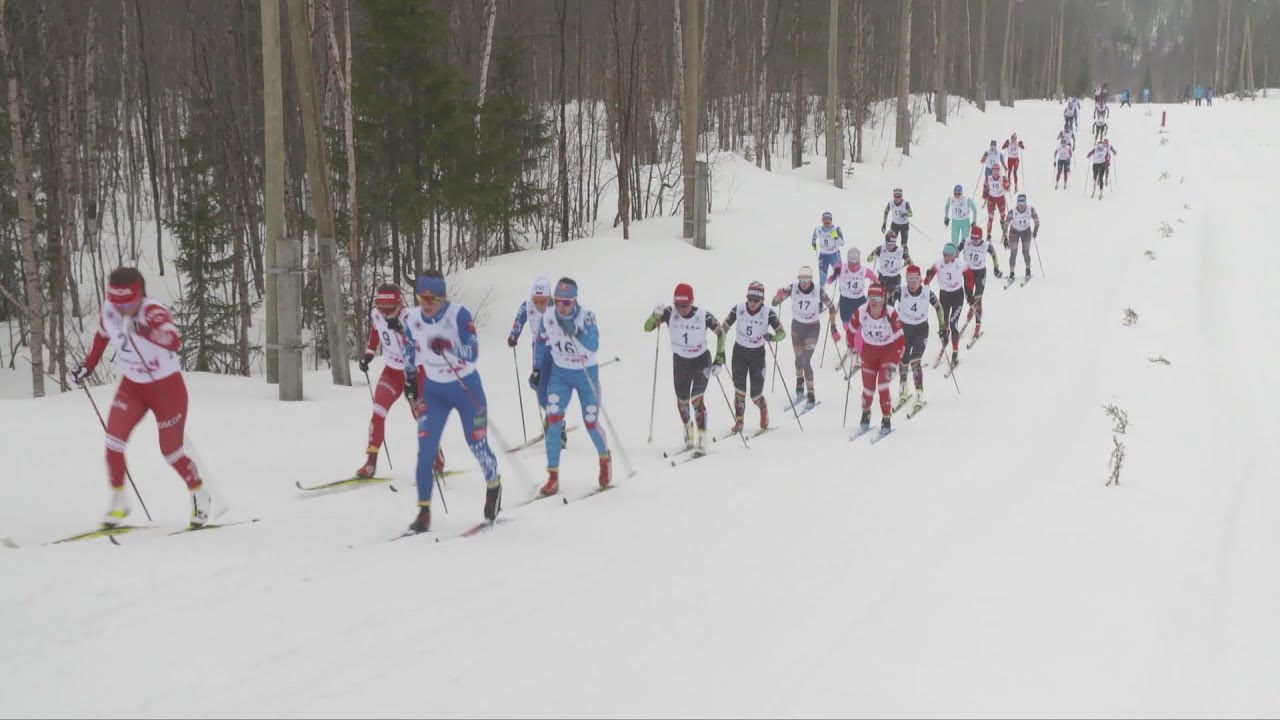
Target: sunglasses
[[564, 303], [426, 298], [752, 299], [682, 306]]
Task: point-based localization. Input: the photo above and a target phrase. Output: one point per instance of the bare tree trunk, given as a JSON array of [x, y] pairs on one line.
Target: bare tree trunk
[[762, 89], [348, 130], [25, 187], [982, 58], [318, 183], [968, 50], [941, 24], [562, 139], [834, 143], [1059, 91], [797, 87], [692, 58], [491, 16], [1005, 90], [677, 45], [904, 78], [148, 112]]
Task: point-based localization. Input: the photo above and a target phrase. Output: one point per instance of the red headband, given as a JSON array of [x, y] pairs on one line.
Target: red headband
[[124, 294], [387, 299]]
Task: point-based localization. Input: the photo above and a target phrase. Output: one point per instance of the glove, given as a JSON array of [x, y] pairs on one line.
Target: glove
[[1005, 241], [78, 375], [440, 345], [942, 334], [411, 387], [835, 333], [719, 363], [998, 273], [393, 323], [779, 335], [1034, 233], [814, 245], [364, 362], [534, 377], [659, 309], [882, 228], [946, 221], [512, 340]]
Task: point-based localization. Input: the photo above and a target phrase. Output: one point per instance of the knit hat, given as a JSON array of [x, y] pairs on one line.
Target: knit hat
[[826, 215], [430, 285], [566, 289], [1022, 199], [957, 189], [541, 288], [805, 272], [854, 255], [755, 291], [683, 294], [948, 249], [875, 292], [124, 294], [387, 297], [975, 232], [913, 270]]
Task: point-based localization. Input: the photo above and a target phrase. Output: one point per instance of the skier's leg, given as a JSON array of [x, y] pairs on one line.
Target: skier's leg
[[559, 393], [740, 367], [167, 399], [590, 403], [126, 412], [474, 414], [430, 424]]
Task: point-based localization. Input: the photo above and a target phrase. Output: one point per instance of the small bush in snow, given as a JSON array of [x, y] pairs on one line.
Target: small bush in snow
[[1164, 176], [1165, 229], [1119, 417], [1130, 317], [1116, 463]]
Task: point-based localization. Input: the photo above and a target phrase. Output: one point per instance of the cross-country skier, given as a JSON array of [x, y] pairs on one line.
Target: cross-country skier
[[807, 301], [960, 213], [1069, 137], [892, 258], [1062, 158], [572, 339], [441, 359], [386, 328], [1100, 156], [827, 241], [1099, 128], [147, 344], [1013, 148], [852, 278], [882, 343], [975, 255], [901, 211], [993, 194], [691, 359], [754, 320], [535, 307], [913, 303], [993, 159], [1070, 112], [955, 281], [1021, 232]]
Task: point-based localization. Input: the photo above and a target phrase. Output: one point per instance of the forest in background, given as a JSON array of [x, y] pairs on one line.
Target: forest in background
[[456, 130]]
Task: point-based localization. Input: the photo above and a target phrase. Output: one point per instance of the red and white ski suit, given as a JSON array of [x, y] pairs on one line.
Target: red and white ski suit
[[882, 347]]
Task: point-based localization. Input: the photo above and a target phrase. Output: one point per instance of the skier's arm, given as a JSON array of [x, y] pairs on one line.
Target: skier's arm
[[589, 333], [782, 294], [158, 329], [937, 306], [906, 255], [871, 256], [995, 260], [100, 342], [729, 320], [371, 346], [470, 344], [522, 316], [909, 214], [973, 209], [885, 219], [851, 330], [776, 324], [1036, 217], [654, 320], [715, 326], [813, 241]]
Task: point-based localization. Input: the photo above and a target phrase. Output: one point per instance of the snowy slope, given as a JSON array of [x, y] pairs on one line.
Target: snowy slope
[[971, 564]]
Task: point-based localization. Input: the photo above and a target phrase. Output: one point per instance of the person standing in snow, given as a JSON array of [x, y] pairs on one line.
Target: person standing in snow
[[147, 344], [827, 241], [807, 301], [901, 211], [1013, 148], [993, 194], [444, 347], [879, 330], [913, 302], [691, 359], [1021, 232], [993, 159], [571, 341], [754, 320], [529, 311], [959, 214], [1062, 158], [386, 328], [975, 255]]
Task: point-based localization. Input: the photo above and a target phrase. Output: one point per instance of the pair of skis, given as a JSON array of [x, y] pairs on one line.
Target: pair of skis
[[359, 482], [111, 533]]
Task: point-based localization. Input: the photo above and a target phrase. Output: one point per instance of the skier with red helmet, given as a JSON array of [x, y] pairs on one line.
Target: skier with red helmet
[[692, 362]]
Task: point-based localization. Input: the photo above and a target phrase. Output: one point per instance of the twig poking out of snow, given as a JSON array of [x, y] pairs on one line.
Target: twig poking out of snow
[[1161, 360], [1130, 317], [1117, 461], [1150, 255], [1120, 417], [1165, 229], [1164, 175]]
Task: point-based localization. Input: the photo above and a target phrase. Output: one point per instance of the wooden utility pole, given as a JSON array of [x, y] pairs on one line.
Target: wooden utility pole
[[318, 184], [941, 23], [692, 59], [835, 146], [283, 260]]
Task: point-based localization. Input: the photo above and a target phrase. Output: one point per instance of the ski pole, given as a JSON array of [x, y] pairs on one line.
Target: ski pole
[[848, 386], [921, 232], [604, 412], [790, 396], [822, 361], [952, 368], [127, 474], [653, 402], [515, 360], [742, 435], [1036, 245], [386, 448]]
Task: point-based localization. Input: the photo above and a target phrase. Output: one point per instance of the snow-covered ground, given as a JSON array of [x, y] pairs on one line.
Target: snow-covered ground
[[974, 563]]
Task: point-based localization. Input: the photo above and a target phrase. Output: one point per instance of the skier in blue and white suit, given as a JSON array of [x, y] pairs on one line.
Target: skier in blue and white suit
[[572, 339], [531, 312], [441, 353]]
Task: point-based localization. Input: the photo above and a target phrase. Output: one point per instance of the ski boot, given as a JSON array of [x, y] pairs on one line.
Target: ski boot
[[422, 523], [700, 447], [885, 425], [764, 415], [200, 503], [737, 424], [919, 399], [810, 401], [955, 358], [799, 388], [552, 485], [865, 422], [977, 330], [119, 509], [904, 392], [370, 466], [1028, 274], [606, 471], [493, 500], [690, 436]]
